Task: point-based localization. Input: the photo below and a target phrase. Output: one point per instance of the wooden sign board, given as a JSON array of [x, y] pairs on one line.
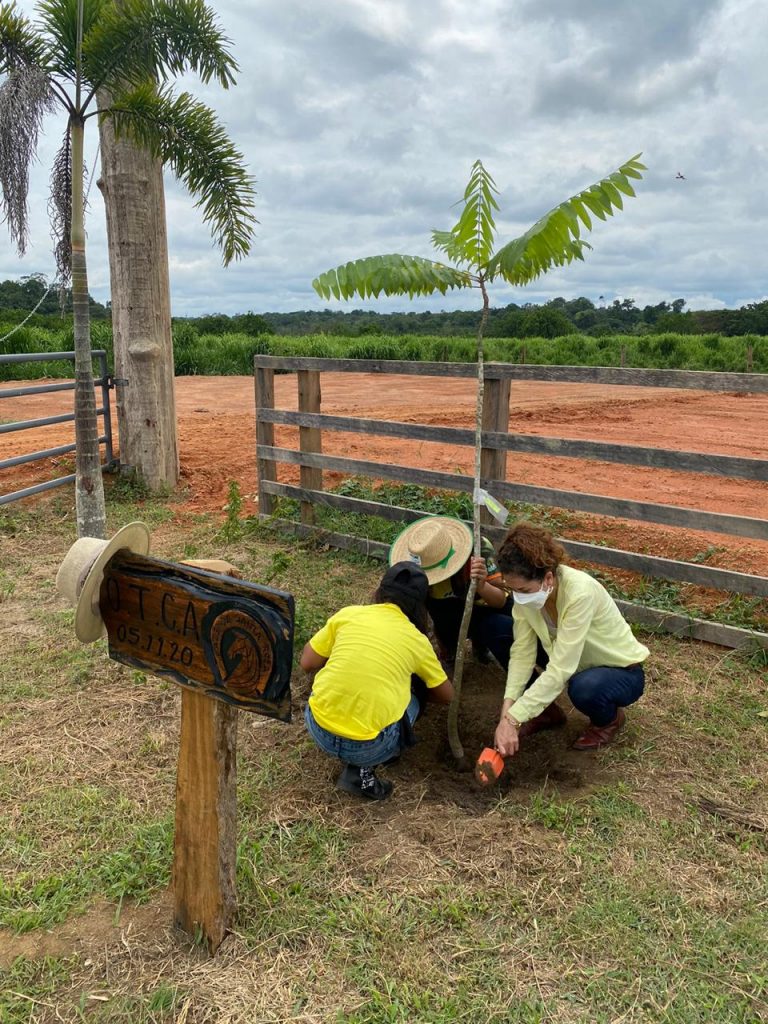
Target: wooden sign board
[[230, 639]]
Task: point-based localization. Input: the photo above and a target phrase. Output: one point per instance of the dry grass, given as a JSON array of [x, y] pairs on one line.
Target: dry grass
[[613, 897]]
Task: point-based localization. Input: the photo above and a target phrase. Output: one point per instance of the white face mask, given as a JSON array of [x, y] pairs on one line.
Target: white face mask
[[536, 600]]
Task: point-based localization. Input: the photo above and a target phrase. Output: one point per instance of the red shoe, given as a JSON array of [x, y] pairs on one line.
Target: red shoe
[[597, 736], [550, 718]]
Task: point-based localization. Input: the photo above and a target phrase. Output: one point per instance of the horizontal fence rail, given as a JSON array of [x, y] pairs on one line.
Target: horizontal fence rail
[[103, 381], [41, 389], [648, 565], [698, 380], [496, 442], [532, 444], [621, 508]]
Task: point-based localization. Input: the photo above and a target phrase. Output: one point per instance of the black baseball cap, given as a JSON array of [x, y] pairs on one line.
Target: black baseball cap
[[405, 578]]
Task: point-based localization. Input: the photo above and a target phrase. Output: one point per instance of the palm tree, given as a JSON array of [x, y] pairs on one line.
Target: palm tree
[[553, 241], [127, 51]]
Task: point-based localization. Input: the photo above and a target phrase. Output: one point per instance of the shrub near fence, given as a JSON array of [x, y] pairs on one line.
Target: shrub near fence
[[33, 340], [228, 354]]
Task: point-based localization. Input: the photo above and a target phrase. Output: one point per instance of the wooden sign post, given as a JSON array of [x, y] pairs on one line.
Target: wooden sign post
[[219, 638]]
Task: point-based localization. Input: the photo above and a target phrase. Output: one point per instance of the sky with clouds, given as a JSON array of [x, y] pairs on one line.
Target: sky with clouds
[[360, 120]]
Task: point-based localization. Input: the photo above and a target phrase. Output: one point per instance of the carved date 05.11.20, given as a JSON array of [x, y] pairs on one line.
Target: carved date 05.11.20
[[162, 646]]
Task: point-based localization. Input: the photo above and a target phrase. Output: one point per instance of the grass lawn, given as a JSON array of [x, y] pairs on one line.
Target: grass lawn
[[594, 888]]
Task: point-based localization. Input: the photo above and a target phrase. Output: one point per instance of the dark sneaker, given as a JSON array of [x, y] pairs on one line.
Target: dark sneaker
[[363, 782], [597, 736], [481, 654]]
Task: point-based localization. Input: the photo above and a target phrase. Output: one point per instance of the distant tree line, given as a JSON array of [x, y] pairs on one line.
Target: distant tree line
[[17, 298], [552, 319]]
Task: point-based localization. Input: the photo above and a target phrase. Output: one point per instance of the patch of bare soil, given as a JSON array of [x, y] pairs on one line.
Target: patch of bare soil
[[103, 925]]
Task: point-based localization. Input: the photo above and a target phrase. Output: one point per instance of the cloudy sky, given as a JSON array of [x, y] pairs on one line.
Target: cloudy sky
[[360, 120]]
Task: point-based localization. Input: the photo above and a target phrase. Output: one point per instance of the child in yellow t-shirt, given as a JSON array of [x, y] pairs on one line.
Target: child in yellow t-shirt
[[362, 708]]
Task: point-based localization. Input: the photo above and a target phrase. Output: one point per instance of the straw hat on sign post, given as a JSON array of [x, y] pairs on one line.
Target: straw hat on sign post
[[440, 545], [80, 575]]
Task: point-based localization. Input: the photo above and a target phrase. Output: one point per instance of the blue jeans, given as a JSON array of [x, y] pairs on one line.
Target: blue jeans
[[361, 753], [599, 692], [488, 627]]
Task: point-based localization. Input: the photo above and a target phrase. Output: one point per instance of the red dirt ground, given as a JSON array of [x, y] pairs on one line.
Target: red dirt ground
[[217, 439]]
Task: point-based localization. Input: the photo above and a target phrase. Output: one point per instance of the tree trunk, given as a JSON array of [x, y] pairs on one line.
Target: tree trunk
[[89, 486], [132, 185], [454, 740]]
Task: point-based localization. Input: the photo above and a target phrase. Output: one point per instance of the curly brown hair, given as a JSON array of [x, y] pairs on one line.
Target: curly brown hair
[[530, 551]]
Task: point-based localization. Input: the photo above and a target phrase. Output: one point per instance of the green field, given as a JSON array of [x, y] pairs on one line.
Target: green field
[[224, 354]]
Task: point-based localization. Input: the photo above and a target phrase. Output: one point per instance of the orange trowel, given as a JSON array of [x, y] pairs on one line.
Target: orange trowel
[[489, 766]]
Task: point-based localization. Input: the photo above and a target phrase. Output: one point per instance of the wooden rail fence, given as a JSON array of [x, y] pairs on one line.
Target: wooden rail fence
[[496, 442]]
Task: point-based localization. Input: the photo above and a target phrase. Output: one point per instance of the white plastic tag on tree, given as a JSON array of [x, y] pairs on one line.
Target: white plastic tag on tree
[[494, 506]]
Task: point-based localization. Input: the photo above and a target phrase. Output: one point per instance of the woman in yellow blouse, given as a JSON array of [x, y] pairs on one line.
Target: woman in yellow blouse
[[589, 646]]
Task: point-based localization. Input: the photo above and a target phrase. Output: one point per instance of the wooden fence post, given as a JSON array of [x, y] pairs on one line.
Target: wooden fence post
[[310, 438], [205, 843], [265, 434], [493, 463]]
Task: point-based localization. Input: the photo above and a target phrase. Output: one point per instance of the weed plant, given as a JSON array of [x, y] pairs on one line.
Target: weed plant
[[232, 526]]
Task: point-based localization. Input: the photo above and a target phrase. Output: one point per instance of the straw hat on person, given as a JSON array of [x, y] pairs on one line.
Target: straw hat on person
[[440, 545], [80, 574]]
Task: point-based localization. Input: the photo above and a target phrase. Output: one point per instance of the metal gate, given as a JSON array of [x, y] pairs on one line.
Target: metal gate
[[103, 381]]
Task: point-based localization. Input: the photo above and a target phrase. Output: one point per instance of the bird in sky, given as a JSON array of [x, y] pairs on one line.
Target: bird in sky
[[680, 177]]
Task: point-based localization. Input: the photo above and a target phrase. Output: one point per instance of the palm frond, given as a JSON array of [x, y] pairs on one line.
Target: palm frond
[[60, 210], [390, 275], [59, 22], [555, 239], [187, 136], [19, 44], [25, 98], [141, 39], [470, 240]]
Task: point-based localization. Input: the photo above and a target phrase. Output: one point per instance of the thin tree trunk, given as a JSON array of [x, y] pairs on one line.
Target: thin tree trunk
[[132, 185], [89, 486], [454, 739]]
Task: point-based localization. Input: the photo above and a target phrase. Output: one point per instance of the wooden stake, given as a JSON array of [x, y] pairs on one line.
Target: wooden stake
[[205, 843], [264, 384]]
